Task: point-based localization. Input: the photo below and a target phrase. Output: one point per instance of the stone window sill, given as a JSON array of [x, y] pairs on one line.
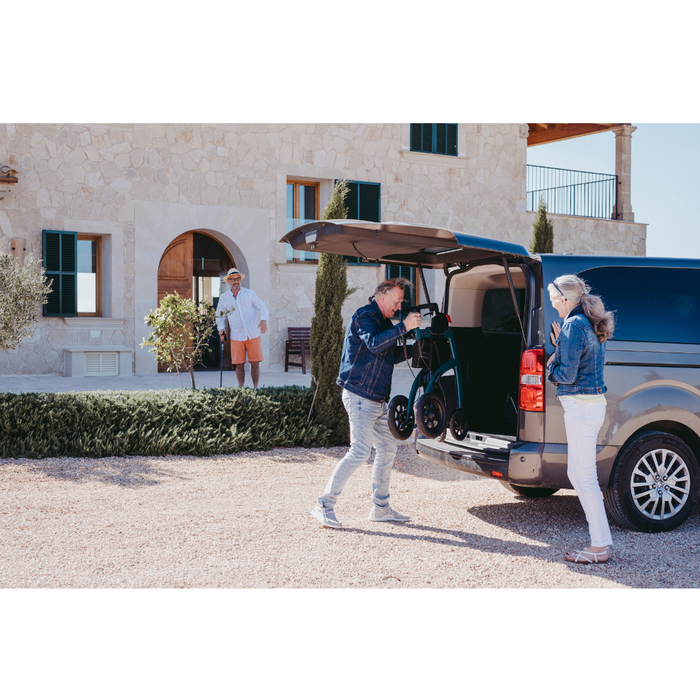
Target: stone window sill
[[95, 323], [457, 161]]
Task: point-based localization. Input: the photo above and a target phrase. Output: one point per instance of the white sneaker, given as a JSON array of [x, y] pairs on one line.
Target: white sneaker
[[381, 515], [326, 516]]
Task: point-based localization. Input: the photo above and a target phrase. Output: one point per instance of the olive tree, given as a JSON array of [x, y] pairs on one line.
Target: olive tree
[[180, 331], [22, 291]]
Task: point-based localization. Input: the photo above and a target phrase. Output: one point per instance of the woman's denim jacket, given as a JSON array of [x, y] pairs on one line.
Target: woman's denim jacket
[[579, 357], [370, 352]]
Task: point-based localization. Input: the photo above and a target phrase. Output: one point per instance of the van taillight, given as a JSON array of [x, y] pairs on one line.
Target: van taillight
[[531, 394]]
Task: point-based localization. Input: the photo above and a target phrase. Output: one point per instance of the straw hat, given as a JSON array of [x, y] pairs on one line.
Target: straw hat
[[232, 273]]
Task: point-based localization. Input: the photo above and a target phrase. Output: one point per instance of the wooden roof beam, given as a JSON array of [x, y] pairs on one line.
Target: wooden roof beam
[[549, 133]]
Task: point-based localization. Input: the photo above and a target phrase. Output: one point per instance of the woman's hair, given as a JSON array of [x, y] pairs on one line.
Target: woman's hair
[[573, 288], [387, 285]]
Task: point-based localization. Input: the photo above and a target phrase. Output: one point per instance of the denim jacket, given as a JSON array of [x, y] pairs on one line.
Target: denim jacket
[[370, 352], [579, 357]]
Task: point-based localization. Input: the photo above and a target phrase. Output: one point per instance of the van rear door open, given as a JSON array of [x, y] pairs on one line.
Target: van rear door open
[[398, 243]]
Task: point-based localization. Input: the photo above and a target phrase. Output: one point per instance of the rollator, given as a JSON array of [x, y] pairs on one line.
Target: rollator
[[435, 354]]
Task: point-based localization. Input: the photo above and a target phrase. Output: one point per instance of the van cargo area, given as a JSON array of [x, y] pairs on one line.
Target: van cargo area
[[489, 343]]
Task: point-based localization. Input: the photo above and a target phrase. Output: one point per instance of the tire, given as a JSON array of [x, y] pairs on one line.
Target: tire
[[458, 425], [400, 419], [430, 415], [528, 491], [655, 483]]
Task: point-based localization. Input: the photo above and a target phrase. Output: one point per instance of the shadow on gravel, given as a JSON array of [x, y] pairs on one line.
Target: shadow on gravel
[[458, 538], [640, 560], [115, 471]]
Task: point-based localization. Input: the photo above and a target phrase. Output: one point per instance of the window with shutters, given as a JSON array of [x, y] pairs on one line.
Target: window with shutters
[[434, 138], [363, 203], [73, 263], [60, 252], [409, 293]]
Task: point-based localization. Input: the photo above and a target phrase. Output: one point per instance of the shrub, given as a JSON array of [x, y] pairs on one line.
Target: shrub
[[174, 422], [180, 331], [542, 231]]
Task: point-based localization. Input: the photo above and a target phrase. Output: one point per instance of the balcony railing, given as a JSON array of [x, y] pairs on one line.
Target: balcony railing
[[572, 192]]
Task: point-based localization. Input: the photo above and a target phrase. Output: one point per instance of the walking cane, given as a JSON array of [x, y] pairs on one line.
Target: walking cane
[[221, 362]]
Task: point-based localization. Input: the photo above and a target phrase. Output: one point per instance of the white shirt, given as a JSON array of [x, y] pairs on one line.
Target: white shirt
[[242, 313]]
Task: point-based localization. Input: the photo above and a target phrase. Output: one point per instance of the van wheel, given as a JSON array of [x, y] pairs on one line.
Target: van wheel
[[655, 483], [528, 491], [430, 415], [400, 419]]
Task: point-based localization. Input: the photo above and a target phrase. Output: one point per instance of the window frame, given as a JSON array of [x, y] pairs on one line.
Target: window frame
[[98, 276], [297, 184]]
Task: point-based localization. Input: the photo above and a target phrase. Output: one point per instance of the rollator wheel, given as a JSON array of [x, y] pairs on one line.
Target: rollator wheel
[[430, 415], [400, 418], [458, 425]]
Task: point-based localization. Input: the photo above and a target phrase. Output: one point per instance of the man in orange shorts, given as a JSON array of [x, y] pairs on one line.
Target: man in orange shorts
[[241, 306]]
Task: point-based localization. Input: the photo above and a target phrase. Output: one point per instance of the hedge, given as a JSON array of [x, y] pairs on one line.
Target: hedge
[[173, 422]]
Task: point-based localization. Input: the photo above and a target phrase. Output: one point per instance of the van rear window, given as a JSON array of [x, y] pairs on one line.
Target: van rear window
[[652, 304], [498, 314]]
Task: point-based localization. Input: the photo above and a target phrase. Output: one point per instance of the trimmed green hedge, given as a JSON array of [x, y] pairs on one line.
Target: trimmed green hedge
[[172, 422]]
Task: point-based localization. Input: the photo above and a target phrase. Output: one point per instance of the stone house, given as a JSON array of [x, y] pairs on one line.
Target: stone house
[[139, 210]]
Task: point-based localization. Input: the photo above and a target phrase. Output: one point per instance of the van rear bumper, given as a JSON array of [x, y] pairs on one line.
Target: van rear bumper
[[533, 464]]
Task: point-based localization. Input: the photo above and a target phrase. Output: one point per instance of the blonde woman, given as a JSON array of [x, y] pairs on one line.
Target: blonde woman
[[576, 369]]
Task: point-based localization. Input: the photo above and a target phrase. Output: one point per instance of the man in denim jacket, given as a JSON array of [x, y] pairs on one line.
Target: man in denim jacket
[[370, 351]]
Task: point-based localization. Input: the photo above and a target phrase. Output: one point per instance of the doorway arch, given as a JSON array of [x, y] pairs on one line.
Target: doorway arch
[[193, 265]]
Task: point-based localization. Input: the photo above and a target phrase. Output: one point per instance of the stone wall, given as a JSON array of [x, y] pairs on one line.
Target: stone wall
[[142, 185], [577, 235]]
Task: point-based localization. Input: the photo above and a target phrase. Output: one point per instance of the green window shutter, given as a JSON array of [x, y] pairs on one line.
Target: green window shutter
[[364, 201], [451, 149], [409, 295], [434, 138], [60, 253], [416, 137]]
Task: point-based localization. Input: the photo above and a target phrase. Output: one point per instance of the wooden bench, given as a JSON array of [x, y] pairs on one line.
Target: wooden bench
[[298, 343]]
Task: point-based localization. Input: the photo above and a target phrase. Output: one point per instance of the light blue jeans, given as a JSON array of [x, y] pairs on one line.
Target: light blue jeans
[[368, 427], [583, 422]]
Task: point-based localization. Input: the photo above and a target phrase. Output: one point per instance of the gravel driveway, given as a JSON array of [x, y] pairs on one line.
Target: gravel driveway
[[242, 521]]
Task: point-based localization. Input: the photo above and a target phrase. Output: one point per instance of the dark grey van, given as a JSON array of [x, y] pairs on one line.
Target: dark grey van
[[498, 305]]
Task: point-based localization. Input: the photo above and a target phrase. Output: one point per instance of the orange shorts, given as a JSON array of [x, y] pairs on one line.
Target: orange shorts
[[252, 346]]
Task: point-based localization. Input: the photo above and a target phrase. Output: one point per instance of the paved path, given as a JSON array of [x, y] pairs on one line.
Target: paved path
[[17, 384]]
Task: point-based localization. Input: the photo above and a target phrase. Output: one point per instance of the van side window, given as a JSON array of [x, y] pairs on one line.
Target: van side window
[[498, 314], [651, 304]]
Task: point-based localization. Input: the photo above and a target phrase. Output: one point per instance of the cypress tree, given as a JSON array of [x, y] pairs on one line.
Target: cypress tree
[[327, 332], [542, 231]]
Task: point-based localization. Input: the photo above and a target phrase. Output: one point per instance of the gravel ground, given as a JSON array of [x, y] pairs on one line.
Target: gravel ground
[[242, 521]]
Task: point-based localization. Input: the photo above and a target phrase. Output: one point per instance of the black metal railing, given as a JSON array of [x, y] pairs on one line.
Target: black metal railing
[[572, 192]]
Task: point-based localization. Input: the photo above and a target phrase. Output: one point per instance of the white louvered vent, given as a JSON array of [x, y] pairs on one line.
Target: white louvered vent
[[101, 364]]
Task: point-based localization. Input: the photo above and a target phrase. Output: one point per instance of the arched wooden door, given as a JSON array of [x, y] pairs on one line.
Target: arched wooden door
[[178, 272], [175, 269]]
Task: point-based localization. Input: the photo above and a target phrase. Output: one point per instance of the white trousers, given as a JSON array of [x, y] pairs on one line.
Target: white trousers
[[583, 421]]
